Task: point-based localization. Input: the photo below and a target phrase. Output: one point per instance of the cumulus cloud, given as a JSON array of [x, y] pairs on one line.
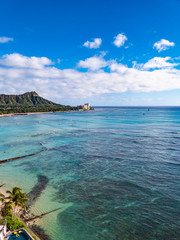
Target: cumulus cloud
[[18, 60], [56, 83], [159, 62], [163, 44], [6, 39], [93, 63], [120, 40], [156, 62], [94, 44]]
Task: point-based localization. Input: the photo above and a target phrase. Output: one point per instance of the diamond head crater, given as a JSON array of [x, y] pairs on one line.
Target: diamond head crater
[[31, 102]]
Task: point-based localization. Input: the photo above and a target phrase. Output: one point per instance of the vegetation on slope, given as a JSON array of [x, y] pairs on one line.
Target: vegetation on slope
[[29, 102], [8, 207]]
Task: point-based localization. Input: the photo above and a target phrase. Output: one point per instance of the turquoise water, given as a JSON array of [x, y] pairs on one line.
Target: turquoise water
[[115, 172]]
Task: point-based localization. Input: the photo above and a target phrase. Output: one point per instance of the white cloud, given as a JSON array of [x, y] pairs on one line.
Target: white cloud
[[94, 44], [55, 83], [6, 39], [156, 62], [159, 62], [18, 60], [118, 67], [93, 63], [163, 44], [120, 40]]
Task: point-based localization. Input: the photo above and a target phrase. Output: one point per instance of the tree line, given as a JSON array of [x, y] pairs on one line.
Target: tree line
[[15, 198]]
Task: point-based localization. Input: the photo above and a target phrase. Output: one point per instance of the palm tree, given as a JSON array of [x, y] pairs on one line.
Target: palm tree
[[17, 198], [2, 198], [22, 201], [0, 187]]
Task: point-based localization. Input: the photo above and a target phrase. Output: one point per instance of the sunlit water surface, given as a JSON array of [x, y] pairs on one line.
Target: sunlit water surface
[[115, 172]]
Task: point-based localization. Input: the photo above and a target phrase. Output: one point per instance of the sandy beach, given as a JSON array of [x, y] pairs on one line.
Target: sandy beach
[[29, 113], [32, 113]]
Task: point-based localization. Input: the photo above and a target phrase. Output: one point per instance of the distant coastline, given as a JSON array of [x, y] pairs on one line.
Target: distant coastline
[[32, 103], [30, 113]]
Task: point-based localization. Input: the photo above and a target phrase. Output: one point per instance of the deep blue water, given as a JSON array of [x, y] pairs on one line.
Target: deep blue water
[[114, 171]]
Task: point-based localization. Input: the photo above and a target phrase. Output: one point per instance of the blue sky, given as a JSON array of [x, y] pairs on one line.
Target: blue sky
[[102, 52]]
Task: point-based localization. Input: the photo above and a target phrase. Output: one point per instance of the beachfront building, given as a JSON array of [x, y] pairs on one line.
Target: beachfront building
[[21, 234], [85, 107], [3, 230]]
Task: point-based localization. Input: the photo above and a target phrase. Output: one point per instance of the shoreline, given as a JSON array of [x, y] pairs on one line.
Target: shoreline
[[32, 229], [30, 113]]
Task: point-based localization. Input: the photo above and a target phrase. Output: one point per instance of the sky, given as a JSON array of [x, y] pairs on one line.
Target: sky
[[107, 53]]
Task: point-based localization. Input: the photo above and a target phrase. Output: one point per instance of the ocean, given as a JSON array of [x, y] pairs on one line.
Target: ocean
[[114, 172]]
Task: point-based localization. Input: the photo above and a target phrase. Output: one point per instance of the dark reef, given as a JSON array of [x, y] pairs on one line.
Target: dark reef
[[40, 232], [36, 191]]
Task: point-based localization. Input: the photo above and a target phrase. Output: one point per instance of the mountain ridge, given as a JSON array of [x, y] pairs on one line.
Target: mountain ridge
[[29, 102], [23, 94]]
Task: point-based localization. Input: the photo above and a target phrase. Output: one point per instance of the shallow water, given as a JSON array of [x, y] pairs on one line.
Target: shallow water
[[115, 172]]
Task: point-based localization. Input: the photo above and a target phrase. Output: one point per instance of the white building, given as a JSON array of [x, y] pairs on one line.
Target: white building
[[86, 106], [3, 231]]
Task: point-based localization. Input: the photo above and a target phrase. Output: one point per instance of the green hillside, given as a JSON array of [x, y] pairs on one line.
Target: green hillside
[[29, 102]]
